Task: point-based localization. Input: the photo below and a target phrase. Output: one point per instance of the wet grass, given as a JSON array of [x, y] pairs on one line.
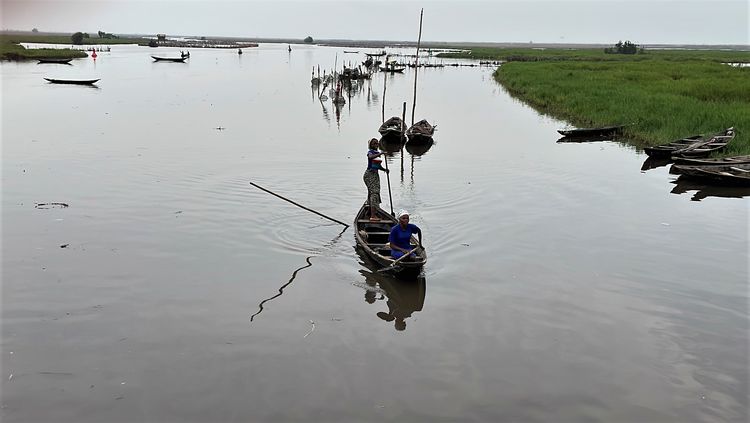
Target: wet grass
[[665, 99]]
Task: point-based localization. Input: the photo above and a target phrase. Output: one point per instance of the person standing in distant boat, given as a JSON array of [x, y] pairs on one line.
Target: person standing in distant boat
[[372, 178], [400, 237]]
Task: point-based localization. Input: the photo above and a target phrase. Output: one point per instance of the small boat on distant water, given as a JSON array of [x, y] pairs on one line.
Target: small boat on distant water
[[55, 61], [692, 147], [170, 59], [421, 131], [393, 68], [72, 81], [603, 131]]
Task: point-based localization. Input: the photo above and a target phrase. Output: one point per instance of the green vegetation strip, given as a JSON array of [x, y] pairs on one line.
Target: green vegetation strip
[[665, 100], [596, 55], [10, 49]]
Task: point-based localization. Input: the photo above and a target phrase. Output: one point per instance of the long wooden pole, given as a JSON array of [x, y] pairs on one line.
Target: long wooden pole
[[298, 205], [385, 82], [388, 178], [416, 66]]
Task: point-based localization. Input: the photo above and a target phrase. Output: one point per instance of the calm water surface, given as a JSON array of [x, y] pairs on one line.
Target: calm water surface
[[564, 283]]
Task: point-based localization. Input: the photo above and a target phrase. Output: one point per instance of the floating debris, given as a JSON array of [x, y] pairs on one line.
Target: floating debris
[[311, 329]]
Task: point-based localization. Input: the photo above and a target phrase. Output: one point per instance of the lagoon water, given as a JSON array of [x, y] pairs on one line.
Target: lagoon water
[[563, 283]]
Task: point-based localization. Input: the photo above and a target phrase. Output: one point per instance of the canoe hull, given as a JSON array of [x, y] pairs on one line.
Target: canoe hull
[[696, 146], [603, 131], [169, 59], [72, 81], [372, 239]]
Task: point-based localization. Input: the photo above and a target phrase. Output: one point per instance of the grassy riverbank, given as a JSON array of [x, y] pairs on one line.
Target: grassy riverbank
[[667, 94], [597, 55], [10, 49]]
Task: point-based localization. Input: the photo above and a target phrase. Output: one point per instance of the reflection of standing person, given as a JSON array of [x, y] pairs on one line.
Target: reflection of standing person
[[400, 237], [371, 177]]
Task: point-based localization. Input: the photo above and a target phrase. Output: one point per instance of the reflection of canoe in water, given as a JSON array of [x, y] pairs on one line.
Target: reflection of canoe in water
[[402, 297], [56, 61], [170, 59], [594, 138], [421, 131], [419, 148], [602, 131], [372, 238], [653, 163], [703, 190], [693, 146], [72, 81], [738, 174], [392, 143]]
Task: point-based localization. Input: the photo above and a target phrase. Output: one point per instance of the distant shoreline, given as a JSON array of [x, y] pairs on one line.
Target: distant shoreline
[[379, 44]]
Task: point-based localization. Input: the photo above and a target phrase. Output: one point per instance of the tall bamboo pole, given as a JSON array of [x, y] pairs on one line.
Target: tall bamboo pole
[[416, 66], [385, 81]]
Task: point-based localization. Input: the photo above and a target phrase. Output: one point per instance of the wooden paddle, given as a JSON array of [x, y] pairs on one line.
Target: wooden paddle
[[393, 265]]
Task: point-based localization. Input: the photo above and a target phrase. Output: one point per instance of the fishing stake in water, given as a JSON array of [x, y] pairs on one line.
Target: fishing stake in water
[[298, 205]]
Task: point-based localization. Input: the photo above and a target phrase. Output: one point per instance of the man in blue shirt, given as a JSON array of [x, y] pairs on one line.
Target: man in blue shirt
[[400, 237]]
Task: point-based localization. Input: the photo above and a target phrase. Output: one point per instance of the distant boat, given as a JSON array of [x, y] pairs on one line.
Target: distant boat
[[55, 61], [591, 132], [393, 68], [382, 53], [350, 52], [239, 51], [72, 81], [421, 131], [170, 59]]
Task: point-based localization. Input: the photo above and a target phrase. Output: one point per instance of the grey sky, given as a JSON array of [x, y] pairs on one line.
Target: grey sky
[[540, 21]]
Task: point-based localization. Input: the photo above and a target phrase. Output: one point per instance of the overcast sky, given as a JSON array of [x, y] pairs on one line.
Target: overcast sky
[[539, 21]]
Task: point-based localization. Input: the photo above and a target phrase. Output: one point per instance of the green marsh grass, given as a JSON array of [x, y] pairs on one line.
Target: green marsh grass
[[10, 49], [664, 100]]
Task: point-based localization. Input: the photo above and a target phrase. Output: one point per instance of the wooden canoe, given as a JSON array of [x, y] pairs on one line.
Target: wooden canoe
[[693, 146], [738, 174], [421, 131], [720, 161], [56, 61], [392, 69], [393, 126], [170, 59], [715, 142], [603, 131], [372, 239], [72, 81]]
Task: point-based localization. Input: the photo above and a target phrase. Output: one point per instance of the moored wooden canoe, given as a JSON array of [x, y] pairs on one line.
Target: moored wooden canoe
[[602, 131]]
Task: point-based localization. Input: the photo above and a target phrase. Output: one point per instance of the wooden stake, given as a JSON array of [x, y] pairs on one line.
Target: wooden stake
[[416, 66]]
